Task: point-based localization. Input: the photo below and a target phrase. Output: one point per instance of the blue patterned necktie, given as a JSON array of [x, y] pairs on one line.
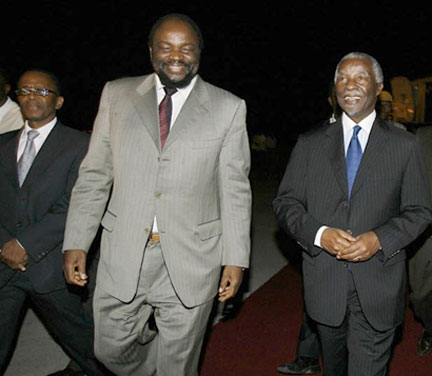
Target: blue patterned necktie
[[353, 158], [27, 156]]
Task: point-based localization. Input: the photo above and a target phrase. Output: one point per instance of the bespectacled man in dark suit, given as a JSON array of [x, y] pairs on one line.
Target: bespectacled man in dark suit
[[38, 168]]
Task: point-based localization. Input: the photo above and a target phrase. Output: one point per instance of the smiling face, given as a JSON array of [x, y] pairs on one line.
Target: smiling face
[[356, 88], [175, 53], [38, 110]]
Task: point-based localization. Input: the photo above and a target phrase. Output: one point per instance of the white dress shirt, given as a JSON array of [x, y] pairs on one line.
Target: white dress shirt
[[44, 131], [363, 136], [178, 100]]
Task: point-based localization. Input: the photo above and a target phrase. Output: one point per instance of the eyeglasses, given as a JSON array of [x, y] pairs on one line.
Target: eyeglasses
[[39, 92]]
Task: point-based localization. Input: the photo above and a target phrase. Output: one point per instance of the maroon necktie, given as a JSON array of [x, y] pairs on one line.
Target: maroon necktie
[[165, 110]]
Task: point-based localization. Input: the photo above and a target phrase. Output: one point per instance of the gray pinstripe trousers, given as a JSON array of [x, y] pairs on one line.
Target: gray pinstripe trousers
[[126, 342]]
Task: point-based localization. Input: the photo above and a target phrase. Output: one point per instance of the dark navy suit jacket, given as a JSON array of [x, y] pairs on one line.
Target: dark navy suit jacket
[[35, 213], [389, 196]]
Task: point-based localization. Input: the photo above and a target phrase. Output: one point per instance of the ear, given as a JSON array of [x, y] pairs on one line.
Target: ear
[[380, 88], [59, 102], [7, 88]]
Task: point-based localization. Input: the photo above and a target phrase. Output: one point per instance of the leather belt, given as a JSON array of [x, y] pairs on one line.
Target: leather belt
[[154, 237]]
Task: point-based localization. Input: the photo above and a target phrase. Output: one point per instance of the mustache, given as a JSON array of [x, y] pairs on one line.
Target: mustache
[[352, 93], [176, 62]]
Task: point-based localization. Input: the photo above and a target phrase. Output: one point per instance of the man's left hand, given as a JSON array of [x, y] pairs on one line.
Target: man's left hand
[[362, 249], [14, 256], [230, 282]]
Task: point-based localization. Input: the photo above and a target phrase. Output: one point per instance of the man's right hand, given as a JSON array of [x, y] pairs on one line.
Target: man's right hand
[[335, 240], [74, 266]]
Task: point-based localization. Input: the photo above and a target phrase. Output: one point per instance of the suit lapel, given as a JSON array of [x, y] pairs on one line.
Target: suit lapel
[[146, 106], [8, 160], [334, 143], [53, 145], [375, 146], [192, 112]]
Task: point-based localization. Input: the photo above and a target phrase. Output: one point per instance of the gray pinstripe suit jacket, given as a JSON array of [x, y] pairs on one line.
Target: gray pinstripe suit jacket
[[390, 196], [197, 188]]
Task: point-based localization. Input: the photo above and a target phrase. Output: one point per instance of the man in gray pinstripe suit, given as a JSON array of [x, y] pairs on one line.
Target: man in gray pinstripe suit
[[354, 257], [179, 211]]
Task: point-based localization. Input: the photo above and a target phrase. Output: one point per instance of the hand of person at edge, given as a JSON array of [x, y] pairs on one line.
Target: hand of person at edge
[[74, 267], [230, 282]]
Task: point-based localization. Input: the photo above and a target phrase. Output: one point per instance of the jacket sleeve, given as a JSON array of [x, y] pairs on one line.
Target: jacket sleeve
[[93, 187], [290, 204], [235, 193], [415, 207]]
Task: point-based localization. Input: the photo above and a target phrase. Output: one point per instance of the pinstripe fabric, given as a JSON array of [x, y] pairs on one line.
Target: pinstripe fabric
[[197, 187], [420, 265], [180, 330], [389, 196]]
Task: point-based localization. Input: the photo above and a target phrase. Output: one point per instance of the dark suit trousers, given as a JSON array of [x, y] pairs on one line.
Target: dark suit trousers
[[420, 277], [61, 312], [355, 348], [308, 342]]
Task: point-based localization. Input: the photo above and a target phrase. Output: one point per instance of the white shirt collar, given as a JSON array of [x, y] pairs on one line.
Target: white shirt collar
[[44, 131], [178, 99], [184, 91], [365, 124]]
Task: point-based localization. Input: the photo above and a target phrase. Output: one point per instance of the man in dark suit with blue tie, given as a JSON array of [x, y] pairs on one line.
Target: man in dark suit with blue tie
[[38, 168], [354, 195]]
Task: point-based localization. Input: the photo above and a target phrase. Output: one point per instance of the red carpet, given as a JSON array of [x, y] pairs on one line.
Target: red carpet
[[264, 335]]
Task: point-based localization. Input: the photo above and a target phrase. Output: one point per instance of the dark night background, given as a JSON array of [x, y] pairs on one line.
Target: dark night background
[[279, 58]]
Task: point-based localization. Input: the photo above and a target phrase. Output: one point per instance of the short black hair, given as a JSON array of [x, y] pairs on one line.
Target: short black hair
[[4, 76], [181, 17], [51, 75]]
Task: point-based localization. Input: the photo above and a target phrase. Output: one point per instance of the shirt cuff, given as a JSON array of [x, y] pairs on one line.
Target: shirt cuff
[[20, 244], [318, 235]]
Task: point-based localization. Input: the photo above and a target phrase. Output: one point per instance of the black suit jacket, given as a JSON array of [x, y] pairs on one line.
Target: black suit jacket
[[35, 214], [389, 196]]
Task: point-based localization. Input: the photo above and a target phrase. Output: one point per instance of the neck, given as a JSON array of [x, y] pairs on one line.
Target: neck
[[39, 124]]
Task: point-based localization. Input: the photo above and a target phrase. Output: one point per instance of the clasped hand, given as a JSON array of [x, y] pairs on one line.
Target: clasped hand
[[13, 255], [350, 248]]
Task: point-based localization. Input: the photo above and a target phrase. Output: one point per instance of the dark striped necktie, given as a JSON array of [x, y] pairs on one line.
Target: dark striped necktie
[[165, 112]]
